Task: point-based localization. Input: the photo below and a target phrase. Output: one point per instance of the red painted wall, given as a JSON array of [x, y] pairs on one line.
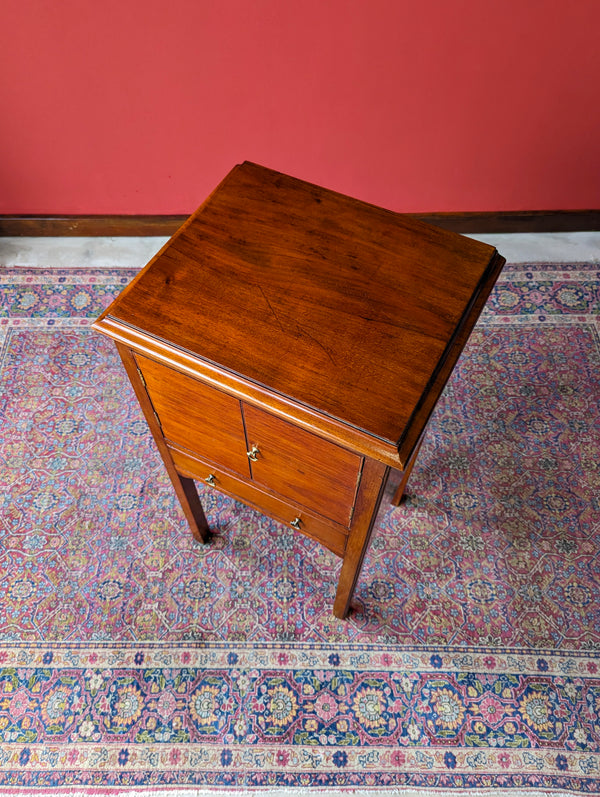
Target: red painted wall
[[141, 106]]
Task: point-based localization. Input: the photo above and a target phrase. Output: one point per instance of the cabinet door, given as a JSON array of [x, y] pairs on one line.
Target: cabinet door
[[301, 466], [197, 417]]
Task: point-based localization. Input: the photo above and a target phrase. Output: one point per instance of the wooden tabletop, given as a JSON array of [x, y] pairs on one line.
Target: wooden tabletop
[[354, 311]]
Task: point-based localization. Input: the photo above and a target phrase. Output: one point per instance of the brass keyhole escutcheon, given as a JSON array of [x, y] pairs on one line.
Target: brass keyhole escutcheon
[[253, 453], [211, 479], [296, 523]]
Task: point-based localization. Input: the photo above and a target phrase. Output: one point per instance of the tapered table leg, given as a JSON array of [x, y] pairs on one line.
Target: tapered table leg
[[369, 497]]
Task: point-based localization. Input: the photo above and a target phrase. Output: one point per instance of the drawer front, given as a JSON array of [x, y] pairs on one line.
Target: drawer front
[[197, 417], [301, 466], [330, 535]]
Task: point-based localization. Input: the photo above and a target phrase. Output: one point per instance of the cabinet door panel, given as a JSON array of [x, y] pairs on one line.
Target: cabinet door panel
[[197, 417], [301, 466]]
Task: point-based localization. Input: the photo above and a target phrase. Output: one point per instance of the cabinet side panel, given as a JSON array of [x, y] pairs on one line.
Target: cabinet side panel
[[184, 486]]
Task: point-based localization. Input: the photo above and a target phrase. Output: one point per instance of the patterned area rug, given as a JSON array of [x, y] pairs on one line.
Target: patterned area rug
[[132, 656]]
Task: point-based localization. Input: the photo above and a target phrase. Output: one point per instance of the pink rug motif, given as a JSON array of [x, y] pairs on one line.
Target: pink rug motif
[[131, 655]]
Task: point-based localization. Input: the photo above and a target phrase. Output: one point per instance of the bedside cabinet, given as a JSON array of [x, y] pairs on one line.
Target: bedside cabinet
[[287, 347]]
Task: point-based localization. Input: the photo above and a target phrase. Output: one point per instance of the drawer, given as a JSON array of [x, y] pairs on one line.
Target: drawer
[[301, 466], [197, 417], [332, 536]]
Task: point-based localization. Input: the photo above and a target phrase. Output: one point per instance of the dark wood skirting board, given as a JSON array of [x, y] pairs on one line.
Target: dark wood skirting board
[[516, 221], [469, 222], [107, 226]]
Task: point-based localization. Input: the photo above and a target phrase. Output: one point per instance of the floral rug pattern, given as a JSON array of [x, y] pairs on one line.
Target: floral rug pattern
[[130, 654]]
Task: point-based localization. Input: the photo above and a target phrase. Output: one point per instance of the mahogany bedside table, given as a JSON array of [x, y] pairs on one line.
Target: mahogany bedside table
[[287, 347]]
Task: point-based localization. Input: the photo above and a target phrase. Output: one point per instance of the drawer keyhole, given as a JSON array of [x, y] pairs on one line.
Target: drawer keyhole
[[253, 454]]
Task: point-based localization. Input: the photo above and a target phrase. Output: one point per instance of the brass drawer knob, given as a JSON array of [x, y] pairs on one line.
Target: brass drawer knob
[[296, 523], [211, 479], [253, 453]]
